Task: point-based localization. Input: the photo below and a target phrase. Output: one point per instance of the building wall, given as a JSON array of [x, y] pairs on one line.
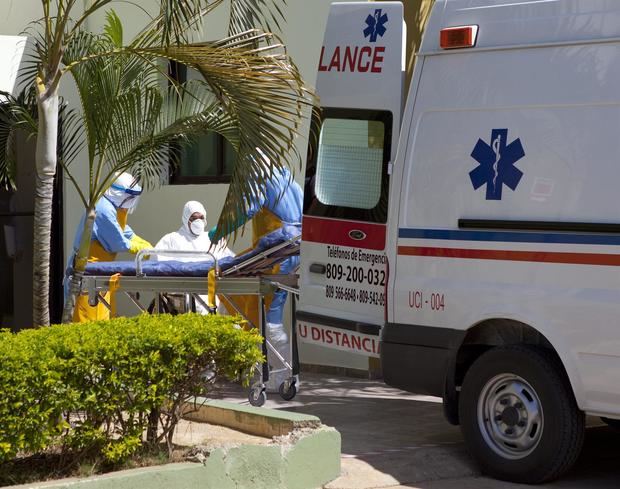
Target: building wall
[[17, 14]]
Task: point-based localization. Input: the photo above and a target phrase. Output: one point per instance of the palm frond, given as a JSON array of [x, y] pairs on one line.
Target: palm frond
[[88, 11], [104, 76], [7, 155], [178, 18], [251, 14], [96, 81], [191, 109], [254, 80], [135, 116], [186, 112], [72, 134], [16, 114], [34, 55], [316, 121], [262, 90], [113, 29]]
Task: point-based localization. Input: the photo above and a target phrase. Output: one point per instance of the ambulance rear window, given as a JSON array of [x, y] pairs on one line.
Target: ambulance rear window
[[349, 163], [347, 178]]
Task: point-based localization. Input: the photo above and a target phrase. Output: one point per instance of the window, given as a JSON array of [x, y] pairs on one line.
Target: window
[[210, 160], [350, 162], [348, 177]]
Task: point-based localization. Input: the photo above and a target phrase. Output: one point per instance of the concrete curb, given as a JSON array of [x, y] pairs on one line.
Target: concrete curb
[[307, 456], [249, 419]]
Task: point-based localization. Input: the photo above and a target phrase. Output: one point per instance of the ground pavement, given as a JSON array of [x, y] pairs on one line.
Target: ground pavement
[[392, 439]]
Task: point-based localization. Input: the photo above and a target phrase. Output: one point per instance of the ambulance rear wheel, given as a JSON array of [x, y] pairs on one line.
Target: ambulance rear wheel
[[518, 415]]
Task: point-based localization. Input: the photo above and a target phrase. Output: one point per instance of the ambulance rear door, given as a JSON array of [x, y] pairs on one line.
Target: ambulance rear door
[[344, 267]]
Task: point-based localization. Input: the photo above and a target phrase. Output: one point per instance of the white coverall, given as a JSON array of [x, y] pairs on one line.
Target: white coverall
[[192, 238]]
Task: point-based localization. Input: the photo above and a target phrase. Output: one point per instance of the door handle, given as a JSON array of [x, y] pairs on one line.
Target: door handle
[[318, 268]]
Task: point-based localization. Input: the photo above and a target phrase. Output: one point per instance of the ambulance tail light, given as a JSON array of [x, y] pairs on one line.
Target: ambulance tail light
[[458, 37]]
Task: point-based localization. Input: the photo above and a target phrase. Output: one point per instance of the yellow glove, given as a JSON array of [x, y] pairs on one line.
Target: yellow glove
[[136, 243], [145, 243]]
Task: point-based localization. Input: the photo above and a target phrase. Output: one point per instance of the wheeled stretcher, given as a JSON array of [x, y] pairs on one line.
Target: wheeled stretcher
[[243, 275]]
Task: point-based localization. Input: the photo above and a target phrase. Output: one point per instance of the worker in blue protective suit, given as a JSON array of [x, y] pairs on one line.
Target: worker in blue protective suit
[[111, 235], [281, 204]]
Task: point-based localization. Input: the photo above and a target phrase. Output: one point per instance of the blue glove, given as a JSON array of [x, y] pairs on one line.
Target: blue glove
[[211, 234]]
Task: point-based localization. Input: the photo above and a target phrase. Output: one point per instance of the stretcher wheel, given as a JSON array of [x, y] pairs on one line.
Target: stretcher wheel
[[288, 390], [257, 396]]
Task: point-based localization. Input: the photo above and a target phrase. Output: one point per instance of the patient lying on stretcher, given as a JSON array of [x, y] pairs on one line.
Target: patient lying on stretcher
[[191, 237]]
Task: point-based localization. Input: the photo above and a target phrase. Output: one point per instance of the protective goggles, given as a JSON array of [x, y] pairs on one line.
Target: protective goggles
[[129, 191]]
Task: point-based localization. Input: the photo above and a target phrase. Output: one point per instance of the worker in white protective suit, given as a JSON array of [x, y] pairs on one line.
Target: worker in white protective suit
[[191, 236]]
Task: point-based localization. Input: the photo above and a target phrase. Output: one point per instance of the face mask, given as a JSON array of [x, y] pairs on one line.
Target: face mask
[[197, 227]]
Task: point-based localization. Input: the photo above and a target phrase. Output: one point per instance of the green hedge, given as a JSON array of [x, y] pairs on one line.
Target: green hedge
[[98, 387]]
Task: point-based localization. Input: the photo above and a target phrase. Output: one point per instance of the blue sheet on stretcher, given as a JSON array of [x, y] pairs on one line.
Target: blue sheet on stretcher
[[175, 268]]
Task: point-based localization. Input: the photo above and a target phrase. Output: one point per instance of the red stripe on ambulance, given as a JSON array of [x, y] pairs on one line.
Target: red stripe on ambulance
[[337, 232], [512, 255]]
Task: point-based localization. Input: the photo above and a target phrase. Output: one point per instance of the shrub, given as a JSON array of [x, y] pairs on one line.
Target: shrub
[[97, 387]]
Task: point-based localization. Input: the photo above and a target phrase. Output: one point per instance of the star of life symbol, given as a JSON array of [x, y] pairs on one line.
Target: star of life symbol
[[497, 164], [376, 25]]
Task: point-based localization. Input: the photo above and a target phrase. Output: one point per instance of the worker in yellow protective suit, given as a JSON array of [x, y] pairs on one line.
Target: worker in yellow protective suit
[[280, 204], [111, 235]]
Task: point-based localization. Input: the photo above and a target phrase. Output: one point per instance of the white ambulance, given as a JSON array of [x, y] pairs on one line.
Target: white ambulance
[[471, 237]]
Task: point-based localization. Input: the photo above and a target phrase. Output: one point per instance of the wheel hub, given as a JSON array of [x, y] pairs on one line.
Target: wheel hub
[[510, 416]]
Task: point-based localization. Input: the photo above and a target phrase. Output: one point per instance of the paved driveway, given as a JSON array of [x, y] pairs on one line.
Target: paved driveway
[[390, 437]]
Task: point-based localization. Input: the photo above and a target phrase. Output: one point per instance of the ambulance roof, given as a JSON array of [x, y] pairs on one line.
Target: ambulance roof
[[505, 23]]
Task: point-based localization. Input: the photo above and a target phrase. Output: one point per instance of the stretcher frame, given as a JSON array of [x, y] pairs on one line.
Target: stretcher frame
[[241, 279]]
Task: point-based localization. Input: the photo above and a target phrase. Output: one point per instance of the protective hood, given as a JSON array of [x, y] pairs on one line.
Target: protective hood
[[124, 192], [189, 208]]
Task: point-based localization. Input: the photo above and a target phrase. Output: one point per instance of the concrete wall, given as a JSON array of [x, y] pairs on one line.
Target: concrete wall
[[16, 14]]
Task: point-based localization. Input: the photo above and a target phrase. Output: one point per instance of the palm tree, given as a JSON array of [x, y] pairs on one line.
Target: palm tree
[[252, 93]]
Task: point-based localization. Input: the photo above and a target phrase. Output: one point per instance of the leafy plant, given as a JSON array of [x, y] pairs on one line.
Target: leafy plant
[[98, 388]]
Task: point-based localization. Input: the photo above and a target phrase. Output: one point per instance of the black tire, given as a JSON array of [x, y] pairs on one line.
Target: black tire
[[288, 394], [257, 397], [550, 443]]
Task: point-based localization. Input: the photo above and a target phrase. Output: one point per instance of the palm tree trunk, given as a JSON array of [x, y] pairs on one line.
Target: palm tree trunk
[[47, 141], [79, 266]]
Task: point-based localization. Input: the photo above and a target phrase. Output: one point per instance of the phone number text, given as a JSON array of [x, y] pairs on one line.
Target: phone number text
[[351, 294], [370, 276]]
